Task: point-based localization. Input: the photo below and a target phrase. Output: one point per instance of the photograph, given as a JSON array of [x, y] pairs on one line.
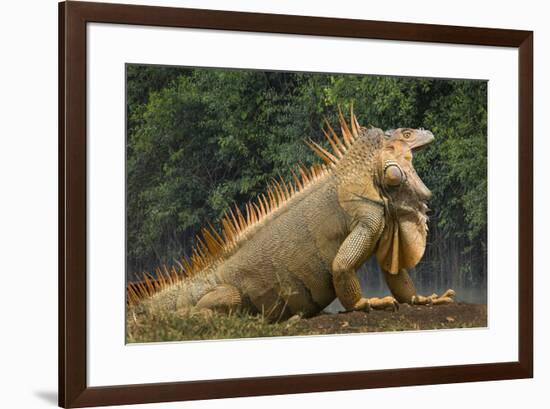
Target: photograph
[[272, 203]]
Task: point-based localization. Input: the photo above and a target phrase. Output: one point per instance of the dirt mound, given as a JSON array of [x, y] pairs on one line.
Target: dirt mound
[[456, 315]]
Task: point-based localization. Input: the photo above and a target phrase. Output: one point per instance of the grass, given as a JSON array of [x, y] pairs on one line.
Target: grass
[[175, 327]]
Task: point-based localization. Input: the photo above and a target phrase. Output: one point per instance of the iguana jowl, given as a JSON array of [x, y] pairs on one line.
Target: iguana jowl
[[297, 248]]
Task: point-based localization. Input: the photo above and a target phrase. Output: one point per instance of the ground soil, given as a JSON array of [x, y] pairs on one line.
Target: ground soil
[[456, 315]]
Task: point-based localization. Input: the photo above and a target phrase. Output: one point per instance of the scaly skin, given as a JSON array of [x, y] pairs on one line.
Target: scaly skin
[[301, 257]]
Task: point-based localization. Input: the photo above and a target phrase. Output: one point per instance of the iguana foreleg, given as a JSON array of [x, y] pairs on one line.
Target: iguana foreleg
[[352, 253], [403, 289]]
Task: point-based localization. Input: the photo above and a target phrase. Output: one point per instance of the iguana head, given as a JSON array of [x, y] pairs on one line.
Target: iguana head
[[415, 138], [403, 240]]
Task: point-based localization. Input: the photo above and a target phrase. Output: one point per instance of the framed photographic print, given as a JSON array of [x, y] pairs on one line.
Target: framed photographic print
[[257, 204]]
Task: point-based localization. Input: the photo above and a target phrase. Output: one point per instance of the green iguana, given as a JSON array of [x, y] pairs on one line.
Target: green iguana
[[297, 247]]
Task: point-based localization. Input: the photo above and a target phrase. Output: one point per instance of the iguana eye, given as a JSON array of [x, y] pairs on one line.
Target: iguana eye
[[406, 134]]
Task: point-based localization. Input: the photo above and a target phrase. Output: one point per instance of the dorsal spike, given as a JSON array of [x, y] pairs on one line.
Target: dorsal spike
[[178, 263], [174, 274], [272, 199], [240, 219], [166, 279], [354, 123], [201, 249], [314, 171], [343, 146], [228, 231], [327, 157], [261, 203], [149, 285], [299, 185], [279, 191], [142, 288], [153, 281], [285, 187], [160, 282], [348, 139], [267, 204], [258, 211], [304, 172], [197, 259], [333, 144], [291, 188], [188, 267], [253, 216], [344, 126], [234, 221], [216, 234], [133, 296], [214, 247], [248, 215]]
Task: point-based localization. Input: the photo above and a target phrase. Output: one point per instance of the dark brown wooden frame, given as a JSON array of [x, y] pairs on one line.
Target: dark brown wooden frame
[[73, 389]]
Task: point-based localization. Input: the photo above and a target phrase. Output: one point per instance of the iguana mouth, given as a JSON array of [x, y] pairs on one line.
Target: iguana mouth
[[424, 138]]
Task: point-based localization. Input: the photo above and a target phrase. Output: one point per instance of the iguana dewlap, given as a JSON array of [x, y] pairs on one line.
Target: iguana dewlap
[[297, 248]]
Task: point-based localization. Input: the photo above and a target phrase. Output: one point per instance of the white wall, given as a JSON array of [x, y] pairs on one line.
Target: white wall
[[28, 216]]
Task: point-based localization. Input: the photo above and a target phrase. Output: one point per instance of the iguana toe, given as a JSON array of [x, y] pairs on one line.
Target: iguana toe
[[434, 299], [362, 305], [384, 303]]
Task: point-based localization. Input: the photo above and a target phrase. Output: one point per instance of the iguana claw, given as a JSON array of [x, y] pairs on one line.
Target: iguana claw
[[384, 303], [362, 305], [434, 299], [366, 304]]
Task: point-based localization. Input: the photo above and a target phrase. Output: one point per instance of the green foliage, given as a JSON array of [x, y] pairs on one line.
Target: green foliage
[[200, 140]]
